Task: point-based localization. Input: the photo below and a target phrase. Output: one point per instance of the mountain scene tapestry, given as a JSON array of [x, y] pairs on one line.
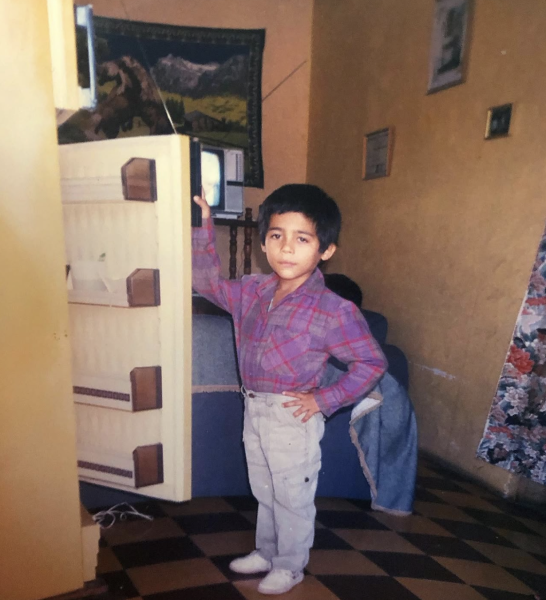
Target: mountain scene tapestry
[[515, 432], [158, 79]]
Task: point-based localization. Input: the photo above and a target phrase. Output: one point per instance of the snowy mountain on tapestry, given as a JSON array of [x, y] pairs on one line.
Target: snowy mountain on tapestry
[[160, 79], [515, 432]]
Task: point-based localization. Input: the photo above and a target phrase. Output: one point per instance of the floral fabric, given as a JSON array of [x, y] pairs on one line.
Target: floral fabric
[[515, 432]]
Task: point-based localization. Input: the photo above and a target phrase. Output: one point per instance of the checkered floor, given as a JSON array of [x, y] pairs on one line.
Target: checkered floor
[[461, 543]]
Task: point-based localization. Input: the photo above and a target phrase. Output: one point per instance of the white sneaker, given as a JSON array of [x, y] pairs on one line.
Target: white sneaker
[[279, 581], [252, 563]]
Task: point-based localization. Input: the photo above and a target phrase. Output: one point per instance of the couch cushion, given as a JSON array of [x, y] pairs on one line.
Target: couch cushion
[[398, 364], [378, 325]]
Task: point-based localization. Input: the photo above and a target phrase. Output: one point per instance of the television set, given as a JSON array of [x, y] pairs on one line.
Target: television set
[[218, 173]]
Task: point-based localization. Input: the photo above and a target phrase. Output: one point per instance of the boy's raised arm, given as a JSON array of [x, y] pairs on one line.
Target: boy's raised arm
[[206, 268]]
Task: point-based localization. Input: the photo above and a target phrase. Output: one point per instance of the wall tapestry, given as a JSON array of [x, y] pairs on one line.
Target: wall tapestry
[[160, 79], [515, 432]]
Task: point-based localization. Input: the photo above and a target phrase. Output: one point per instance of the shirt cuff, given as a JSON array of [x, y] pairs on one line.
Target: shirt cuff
[[326, 408], [205, 233]]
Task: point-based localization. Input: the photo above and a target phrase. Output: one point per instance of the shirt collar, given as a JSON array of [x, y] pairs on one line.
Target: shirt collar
[[313, 285]]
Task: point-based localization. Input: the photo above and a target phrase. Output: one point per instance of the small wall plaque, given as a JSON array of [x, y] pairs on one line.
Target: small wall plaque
[[498, 121], [377, 153]]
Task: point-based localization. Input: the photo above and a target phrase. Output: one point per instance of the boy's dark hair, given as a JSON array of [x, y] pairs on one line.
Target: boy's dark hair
[[344, 286], [308, 200]]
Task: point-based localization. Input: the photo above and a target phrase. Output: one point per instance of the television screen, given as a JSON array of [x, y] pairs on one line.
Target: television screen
[[218, 174], [211, 177]]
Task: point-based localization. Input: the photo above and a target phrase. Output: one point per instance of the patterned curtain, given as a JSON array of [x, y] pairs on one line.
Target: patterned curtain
[[515, 432]]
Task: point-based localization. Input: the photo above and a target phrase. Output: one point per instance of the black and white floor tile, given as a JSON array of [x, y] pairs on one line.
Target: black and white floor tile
[[462, 542]]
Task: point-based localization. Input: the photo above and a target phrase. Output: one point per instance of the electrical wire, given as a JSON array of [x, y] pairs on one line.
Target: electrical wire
[[106, 518]]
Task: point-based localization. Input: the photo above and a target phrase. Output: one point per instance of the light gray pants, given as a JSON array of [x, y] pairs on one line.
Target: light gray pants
[[283, 457]]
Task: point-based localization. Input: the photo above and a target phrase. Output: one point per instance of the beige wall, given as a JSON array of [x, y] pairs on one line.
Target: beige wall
[[285, 77], [40, 543], [444, 246]]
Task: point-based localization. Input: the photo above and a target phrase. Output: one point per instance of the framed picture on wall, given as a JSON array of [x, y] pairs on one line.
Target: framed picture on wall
[[448, 44], [377, 153]]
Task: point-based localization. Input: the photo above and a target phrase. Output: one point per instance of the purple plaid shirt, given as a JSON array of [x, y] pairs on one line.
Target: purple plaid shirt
[[286, 348]]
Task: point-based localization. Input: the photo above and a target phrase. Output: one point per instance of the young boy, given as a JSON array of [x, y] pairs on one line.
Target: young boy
[[287, 325]]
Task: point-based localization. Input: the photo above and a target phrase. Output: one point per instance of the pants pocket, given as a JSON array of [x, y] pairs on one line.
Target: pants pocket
[[296, 489]]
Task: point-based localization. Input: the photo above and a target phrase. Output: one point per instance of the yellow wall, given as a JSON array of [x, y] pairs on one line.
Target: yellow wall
[[444, 246], [285, 76], [40, 543]]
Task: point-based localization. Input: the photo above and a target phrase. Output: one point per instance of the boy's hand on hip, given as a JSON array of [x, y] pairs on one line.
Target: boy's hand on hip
[[305, 401]]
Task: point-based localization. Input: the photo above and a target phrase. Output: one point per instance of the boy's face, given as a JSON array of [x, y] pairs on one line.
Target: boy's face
[[292, 248]]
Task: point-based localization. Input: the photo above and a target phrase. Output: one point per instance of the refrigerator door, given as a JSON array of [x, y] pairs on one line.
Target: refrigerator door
[[126, 205]]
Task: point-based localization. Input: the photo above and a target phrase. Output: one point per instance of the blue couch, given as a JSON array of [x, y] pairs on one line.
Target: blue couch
[[218, 461]]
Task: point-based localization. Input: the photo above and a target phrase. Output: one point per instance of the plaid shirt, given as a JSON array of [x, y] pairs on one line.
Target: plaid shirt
[[286, 348]]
